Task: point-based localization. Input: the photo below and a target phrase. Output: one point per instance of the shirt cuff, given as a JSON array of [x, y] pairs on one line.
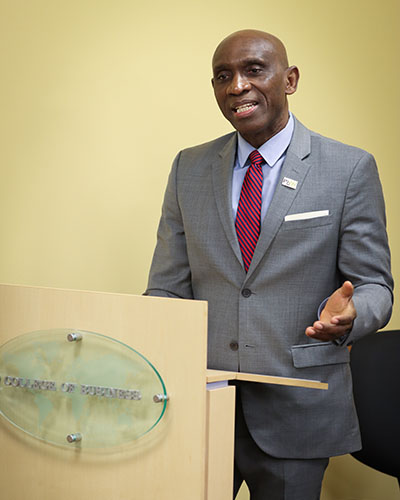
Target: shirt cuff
[[321, 306]]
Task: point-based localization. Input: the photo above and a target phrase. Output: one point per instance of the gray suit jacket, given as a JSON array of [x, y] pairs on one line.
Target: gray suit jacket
[[296, 265]]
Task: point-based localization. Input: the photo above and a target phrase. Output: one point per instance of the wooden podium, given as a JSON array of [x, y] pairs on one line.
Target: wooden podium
[[188, 455]]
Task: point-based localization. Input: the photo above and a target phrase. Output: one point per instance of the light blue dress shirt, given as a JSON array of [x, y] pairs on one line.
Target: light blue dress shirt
[[274, 153]]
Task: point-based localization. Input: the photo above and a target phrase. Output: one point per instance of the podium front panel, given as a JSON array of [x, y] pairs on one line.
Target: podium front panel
[[168, 460]]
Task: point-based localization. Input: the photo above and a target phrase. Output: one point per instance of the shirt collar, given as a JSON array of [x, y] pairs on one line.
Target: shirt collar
[[271, 150]]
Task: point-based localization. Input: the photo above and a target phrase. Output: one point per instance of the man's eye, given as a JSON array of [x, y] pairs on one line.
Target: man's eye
[[254, 71], [222, 76]]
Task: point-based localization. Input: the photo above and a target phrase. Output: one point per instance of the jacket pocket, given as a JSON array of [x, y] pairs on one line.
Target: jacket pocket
[[319, 354], [306, 223]]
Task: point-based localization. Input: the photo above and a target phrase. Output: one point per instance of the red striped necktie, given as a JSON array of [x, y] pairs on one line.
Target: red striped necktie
[[248, 217]]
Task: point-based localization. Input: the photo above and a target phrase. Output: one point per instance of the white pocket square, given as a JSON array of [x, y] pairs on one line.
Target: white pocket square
[[307, 215]]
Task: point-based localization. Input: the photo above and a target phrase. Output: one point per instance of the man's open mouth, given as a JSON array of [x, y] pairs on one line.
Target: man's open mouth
[[244, 108]]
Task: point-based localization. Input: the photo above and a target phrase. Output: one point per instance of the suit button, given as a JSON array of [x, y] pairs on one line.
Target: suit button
[[234, 346], [246, 292]]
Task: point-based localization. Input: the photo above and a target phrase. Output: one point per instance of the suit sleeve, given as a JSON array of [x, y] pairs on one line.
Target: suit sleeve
[[170, 274], [363, 253]]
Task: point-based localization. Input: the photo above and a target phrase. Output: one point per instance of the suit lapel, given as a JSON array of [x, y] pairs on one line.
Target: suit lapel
[[222, 184], [295, 167]]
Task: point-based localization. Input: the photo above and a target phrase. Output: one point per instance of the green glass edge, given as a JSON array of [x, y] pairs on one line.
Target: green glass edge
[[148, 362]]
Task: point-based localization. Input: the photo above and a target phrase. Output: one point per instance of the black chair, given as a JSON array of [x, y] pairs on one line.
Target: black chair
[[375, 366]]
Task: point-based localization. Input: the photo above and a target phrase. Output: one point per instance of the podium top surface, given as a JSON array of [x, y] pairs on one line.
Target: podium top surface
[[221, 375]]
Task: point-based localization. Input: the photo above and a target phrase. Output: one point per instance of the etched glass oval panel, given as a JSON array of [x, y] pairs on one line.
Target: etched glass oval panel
[[78, 388]]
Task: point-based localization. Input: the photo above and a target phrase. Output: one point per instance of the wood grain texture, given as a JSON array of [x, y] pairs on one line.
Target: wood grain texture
[[220, 375], [220, 443], [169, 462]]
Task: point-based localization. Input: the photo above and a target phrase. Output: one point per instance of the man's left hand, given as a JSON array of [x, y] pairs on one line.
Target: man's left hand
[[336, 317]]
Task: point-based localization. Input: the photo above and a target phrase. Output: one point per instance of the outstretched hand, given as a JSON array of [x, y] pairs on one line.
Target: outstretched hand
[[336, 317]]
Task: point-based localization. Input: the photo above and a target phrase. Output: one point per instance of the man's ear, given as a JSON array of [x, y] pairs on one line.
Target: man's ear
[[212, 82], [292, 79]]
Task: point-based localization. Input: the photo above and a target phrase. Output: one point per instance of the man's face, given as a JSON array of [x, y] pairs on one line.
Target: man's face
[[251, 82]]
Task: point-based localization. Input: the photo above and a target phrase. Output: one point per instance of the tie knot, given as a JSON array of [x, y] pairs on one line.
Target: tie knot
[[256, 158]]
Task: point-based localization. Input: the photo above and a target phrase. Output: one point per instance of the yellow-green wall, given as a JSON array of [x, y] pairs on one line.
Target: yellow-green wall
[[96, 98]]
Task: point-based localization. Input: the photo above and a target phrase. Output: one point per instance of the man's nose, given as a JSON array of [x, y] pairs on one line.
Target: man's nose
[[239, 84]]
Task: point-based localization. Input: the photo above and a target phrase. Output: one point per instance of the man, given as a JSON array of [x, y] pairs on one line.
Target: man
[[265, 224]]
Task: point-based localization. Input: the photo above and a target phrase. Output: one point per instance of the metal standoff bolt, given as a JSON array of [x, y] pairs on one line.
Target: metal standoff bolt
[[74, 438], [74, 337], [160, 398]]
